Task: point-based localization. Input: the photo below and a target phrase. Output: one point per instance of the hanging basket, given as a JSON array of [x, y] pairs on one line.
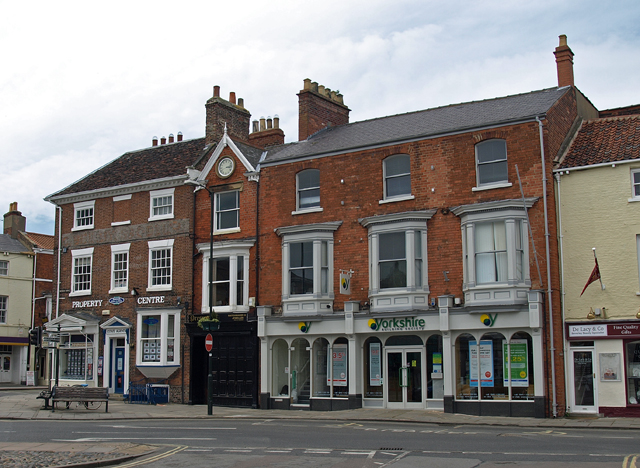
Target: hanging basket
[[208, 325]]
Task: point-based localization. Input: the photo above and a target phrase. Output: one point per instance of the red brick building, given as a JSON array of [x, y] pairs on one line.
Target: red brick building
[[397, 261]]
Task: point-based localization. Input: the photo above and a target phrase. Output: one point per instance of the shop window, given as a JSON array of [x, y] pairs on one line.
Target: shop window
[[158, 338], [161, 204], [633, 372], [83, 215], [339, 363], [308, 190], [435, 374], [280, 377], [76, 357], [300, 371], [373, 368], [521, 369], [320, 387], [82, 261]]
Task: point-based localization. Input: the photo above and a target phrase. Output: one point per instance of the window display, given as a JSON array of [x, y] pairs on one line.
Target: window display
[[633, 372]]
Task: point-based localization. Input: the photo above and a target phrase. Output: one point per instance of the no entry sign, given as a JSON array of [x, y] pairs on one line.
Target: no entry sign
[[208, 342]]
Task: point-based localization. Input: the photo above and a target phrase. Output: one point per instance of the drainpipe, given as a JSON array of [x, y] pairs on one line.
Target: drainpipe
[[563, 292], [59, 252], [548, 258]]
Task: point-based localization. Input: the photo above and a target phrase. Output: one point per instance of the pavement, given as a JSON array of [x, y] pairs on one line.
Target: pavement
[[20, 403]]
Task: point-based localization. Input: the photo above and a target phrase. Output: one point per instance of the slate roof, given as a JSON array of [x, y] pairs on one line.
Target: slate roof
[[9, 244], [156, 162], [603, 141], [420, 124]]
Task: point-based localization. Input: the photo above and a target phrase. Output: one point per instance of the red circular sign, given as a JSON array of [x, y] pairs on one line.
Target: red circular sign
[[208, 342]]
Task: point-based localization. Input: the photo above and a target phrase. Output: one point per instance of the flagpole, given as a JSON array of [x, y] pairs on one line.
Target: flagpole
[[600, 275]]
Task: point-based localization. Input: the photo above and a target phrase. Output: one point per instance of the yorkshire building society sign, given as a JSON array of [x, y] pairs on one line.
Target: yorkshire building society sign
[[397, 324]]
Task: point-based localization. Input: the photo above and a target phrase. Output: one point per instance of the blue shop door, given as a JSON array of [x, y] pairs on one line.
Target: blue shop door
[[118, 381]]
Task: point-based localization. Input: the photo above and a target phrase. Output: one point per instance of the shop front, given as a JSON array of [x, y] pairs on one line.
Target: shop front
[[603, 367], [446, 358]]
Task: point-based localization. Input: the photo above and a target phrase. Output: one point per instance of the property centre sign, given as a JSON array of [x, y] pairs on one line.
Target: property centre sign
[[397, 324]]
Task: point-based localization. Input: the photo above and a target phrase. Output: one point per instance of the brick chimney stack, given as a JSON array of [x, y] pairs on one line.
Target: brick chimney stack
[[564, 63], [221, 112], [14, 221], [319, 107], [267, 132]]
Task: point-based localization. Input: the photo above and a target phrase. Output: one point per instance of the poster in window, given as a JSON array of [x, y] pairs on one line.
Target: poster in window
[[375, 368], [486, 363], [519, 367], [338, 365], [609, 367]]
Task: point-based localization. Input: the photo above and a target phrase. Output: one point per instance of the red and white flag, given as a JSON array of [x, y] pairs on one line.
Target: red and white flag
[[595, 276]]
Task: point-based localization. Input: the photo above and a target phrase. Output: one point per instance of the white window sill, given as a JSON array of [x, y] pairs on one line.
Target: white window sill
[[81, 228], [160, 218], [226, 231], [80, 293], [491, 186], [118, 290], [315, 209], [226, 309], [396, 199], [164, 287], [631, 200], [121, 223]]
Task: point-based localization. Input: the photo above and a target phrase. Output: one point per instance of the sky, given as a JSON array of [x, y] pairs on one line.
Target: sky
[[81, 83]]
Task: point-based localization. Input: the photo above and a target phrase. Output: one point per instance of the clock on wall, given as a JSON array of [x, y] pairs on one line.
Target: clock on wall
[[225, 167]]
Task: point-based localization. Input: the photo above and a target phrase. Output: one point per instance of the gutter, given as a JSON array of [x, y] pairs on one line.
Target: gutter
[[548, 258]]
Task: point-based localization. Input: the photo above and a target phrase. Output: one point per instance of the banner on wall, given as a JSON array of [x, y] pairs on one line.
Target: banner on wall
[[519, 368], [486, 363], [338, 365], [375, 368]]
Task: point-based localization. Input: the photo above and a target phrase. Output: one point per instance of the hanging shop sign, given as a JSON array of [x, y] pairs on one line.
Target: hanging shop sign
[[304, 327], [519, 368], [486, 363], [375, 365], [397, 324]]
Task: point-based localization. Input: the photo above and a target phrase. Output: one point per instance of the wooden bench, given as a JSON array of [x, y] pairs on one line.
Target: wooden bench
[[46, 396], [84, 395]]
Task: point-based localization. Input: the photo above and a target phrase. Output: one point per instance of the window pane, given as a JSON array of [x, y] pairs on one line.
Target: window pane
[[162, 205], [227, 200], [492, 161], [400, 185], [302, 281], [392, 246], [151, 326], [221, 269], [160, 267], [393, 274], [309, 198], [221, 294], [309, 179], [4, 268], [396, 165], [301, 254], [492, 172], [492, 150], [120, 261], [82, 274]]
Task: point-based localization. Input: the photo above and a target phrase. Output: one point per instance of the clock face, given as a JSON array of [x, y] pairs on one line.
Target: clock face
[[226, 167]]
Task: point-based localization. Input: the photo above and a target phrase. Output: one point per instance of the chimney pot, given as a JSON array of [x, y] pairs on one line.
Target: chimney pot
[[256, 126], [269, 122], [170, 137], [179, 136], [241, 102], [276, 121], [232, 97], [13, 206], [154, 141], [216, 91], [163, 140], [307, 83], [263, 125]]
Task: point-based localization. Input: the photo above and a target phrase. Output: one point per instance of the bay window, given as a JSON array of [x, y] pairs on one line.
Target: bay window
[[158, 338]]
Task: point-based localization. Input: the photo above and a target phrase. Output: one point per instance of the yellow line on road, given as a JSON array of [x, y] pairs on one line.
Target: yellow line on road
[[154, 458]]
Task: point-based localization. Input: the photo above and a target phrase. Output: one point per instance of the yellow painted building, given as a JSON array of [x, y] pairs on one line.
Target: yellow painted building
[[598, 197]]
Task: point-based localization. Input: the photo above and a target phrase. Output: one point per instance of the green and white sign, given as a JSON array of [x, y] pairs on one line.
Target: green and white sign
[[519, 368]]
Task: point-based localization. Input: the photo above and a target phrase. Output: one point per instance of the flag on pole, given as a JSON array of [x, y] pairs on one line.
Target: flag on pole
[[595, 276]]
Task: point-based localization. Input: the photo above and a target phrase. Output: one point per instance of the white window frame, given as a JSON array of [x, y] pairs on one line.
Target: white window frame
[[491, 185], [635, 184], [119, 250], [318, 300], [82, 206], [164, 337], [159, 194], [78, 255], [4, 309], [4, 267], [386, 198], [512, 290], [309, 209], [232, 250], [414, 295], [155, 246], [216, 202]]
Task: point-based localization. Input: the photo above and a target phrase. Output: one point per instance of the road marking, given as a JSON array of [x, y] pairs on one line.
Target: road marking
[[238, 450], [181, 428], [323, 452], [155, 457], [359, 453], [630, 461], [278, 451], [199, 450], [100, 439]]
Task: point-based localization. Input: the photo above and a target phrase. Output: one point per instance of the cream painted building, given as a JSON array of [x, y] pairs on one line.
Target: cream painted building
[[598, 196]]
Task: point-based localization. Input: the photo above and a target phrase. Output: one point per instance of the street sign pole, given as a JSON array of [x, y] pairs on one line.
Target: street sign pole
[[208, 344]]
